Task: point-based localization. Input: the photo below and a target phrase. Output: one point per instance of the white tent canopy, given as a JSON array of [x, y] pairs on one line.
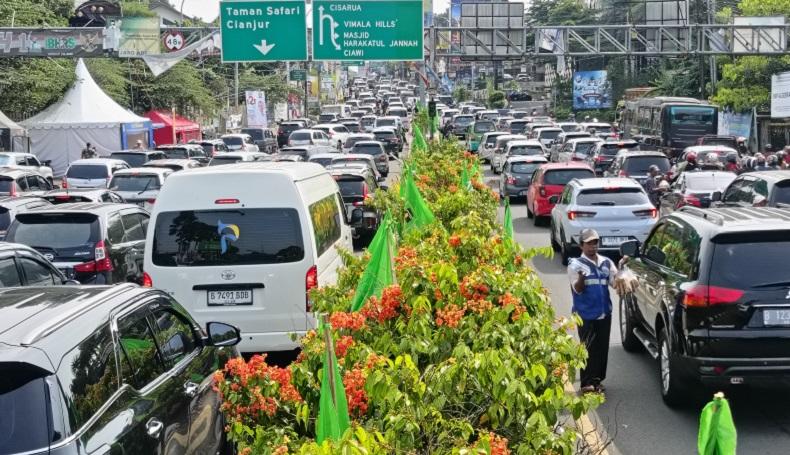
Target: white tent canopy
[[7, 123], [85, 114]]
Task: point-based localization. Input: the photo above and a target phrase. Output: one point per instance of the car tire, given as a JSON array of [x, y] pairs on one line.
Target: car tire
[[529, 212], [672, 391], [564, 249], [537, 220], [554, 244], [627, 324]]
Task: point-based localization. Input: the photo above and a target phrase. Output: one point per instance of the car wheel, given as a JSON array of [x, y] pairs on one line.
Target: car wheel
[[627, 324], [672, 392], [564, 249], [554, 245], [529, 212], [537, 220]]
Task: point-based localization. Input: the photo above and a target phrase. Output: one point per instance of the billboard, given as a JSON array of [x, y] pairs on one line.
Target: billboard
[[780, 95], [139, 36], [256, 109], [591, 90]]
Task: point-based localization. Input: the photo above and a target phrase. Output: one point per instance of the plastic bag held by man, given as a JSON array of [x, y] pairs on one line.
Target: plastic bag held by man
[[625, 281]]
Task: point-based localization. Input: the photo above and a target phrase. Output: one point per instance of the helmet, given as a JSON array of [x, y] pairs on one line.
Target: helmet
[[732, 157], [664, 184], [772, 160], [781, 156], [760, 159], [712, 158], [653, 168], [691, 157], [768, 147]]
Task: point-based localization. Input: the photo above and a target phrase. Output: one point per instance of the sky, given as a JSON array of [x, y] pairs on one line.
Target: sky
[[209, 9]]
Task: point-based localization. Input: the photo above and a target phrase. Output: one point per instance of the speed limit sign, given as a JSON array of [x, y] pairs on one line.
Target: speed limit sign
[[174, 41]]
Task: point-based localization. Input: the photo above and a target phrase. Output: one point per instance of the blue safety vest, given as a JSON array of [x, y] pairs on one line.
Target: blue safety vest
[[594, 301]]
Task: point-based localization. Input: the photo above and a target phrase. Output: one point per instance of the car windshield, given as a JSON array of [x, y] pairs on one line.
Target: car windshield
[[6, 160], [518, 127], [208, 148], [491, 140], [782, 193], [399, 112], [176, 154], [255, 133], [611, 148], [521, 150], [525, 168], [232, 141], [353, 140], [322, 161], [367, 121], [87, 171], [324, 118], [227, 237], [704, 181], [584, 148], [464, 120], [640, 164], [549, 134], [289, 127], [126, 182], [563, 176], [351, 187], [59, 231], [569, 128], [612, 196], [384, 134], [25, 415], [600, 129], [5, 218], [220, 160], [367, 149], [764, 252], [385, 122], [300, 136], [6, 185], [484, 127], [692, 115], [132, 159]]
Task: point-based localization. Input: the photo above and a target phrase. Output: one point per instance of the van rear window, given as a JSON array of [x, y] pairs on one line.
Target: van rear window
[[203, 238], [87, 171]]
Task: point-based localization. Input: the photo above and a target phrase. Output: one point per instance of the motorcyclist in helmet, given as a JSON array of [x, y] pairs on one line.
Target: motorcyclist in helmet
[[782, 156], [731, 164], [690, 164], [772, 162], [769, 150], [760, 162], [711, 163]]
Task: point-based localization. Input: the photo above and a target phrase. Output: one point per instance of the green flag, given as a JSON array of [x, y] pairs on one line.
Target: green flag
[[333, 418], [378, 273], [419, 140], [717, 435], [421, 214], [508, 220], [466, 182]]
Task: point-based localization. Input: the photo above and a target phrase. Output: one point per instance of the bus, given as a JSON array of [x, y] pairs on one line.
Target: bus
[[668, 124]]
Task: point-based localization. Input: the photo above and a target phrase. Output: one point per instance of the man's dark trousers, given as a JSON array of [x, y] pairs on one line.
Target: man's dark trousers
[[595, 336]]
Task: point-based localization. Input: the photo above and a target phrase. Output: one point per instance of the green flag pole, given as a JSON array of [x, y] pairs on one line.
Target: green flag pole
[[378, 273], [508, 220], [717, 435], [333, 418]]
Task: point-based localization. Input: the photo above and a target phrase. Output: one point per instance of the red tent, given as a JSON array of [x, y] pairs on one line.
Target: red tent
[[167, 131]]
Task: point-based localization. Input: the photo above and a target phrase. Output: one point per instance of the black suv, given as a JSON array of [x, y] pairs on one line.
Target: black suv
[[185, 151], [102, 369], [356, 184], [755, 189], [603, 154], [713, 301], [21, 265], [263, 138], [636, 164], [93, 243]]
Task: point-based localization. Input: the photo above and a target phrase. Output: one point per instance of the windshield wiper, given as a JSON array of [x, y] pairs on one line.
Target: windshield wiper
[[607, 203], [771, 285], [147, 185]]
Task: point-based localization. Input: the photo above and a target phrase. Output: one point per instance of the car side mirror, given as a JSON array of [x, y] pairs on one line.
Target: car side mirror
[[221, 334], [554, 199], [356, 216], [716, 196], [630, 248]]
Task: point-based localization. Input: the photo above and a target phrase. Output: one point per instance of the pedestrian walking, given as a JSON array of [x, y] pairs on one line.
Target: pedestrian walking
[[89, 151], [590, 276]]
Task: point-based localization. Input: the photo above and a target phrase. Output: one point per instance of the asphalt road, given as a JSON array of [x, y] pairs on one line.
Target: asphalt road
[[634, 417]]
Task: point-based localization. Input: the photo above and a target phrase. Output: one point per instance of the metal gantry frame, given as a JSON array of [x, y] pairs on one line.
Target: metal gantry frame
[[623, 39]]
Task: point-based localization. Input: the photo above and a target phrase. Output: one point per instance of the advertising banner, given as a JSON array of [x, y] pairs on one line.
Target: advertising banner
[[256, 109], [591, 90], [737, 124], [780, 95], [52, 42], [139, 36]]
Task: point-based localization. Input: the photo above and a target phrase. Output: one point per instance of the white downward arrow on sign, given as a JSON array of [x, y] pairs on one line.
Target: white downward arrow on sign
[[263, 47]]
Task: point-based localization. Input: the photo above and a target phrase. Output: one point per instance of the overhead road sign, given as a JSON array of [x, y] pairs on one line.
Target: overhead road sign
[[263, 31], [367, 30], [298, 75]]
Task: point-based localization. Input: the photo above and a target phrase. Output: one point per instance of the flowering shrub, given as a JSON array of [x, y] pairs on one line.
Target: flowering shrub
[[462, 355]]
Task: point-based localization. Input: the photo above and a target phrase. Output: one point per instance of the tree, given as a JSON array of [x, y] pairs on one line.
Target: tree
[[110, 74]]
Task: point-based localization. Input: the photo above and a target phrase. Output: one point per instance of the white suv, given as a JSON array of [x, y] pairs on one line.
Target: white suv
[[337, 133], [26, 161], [618, 208]]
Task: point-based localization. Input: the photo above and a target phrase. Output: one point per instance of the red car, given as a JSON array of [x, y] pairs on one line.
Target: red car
[[549, 180]]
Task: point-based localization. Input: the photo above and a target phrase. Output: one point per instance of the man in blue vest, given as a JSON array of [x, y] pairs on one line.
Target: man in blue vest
[[590, 276]]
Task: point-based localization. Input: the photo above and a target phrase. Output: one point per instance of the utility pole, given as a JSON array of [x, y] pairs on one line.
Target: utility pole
[[236, 82]]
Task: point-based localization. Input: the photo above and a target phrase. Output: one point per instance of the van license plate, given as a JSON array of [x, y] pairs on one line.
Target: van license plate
[[776, 317], [613, 241], [236, 297]]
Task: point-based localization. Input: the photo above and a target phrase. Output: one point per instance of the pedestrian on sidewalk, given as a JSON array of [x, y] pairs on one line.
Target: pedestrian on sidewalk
[[590, 276]]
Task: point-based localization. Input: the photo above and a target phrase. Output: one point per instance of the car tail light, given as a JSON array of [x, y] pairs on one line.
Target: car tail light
[[147, 281], [65, 183], [511, 180], [690, 200], [62, 197], [101, 262], [573, 214], [13, 192], [542, 190], [622, 173], [649, 213], [364, 195], [310, 282], [226, 201], [151, 201], [701, 296]]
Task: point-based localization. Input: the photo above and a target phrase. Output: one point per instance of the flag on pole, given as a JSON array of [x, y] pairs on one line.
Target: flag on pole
[[333, 418], [466, 182], [419, 140], [717, 435], [421, 214], [508, 220], [379, 273]]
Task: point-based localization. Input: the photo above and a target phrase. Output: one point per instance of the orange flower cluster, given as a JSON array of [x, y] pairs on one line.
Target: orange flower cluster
[[343, 344], [518, 309], [473, 291], [351, 321], [455, 240], [354, 383], [450, 315], [498, 445], [452, 188], [374, 360], [479, 306], [386, 308], [406, 258], [282, 450]]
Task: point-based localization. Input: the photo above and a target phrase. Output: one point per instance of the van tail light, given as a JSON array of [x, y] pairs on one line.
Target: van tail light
[[147, 281], [702, 296], [649, 213], [542, 190], [101, 262], [310, 282], [574, 214]]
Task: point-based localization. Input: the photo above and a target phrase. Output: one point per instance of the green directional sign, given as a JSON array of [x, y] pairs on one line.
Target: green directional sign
[[298, 75], [366, 30], [263, 31]]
